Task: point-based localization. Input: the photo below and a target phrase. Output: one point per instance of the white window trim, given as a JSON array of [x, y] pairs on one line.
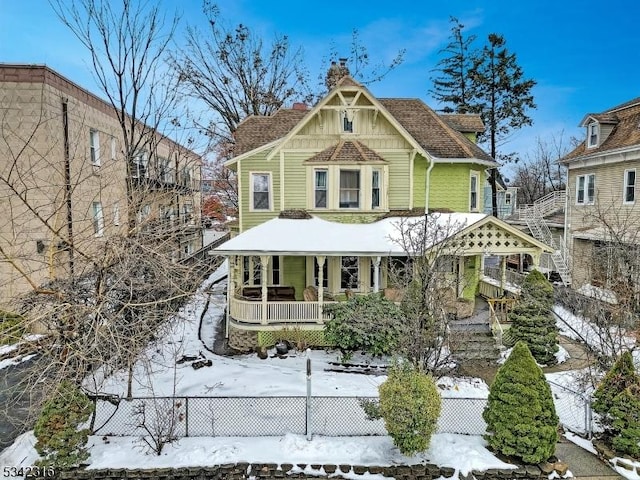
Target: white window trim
[[474, 174], [380, 188], [98, 219], [586, 200], [251, 208], [507, 198], [626, 185], [333, 187], [94, 147], [327, 189], [596, 126]]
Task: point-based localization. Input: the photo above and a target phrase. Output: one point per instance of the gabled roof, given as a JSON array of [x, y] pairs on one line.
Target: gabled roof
[[464, 122], [347, 151], [426, 129], [625, 119], [430, 131]]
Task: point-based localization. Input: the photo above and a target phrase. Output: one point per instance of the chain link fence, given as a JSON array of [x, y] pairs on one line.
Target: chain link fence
[[263, 416], [574, 409]]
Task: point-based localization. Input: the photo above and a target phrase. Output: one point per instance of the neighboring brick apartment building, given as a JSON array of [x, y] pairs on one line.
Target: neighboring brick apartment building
[[64, 177]]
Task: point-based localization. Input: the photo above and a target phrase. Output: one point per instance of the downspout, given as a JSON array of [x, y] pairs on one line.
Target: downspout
[[427, 186]]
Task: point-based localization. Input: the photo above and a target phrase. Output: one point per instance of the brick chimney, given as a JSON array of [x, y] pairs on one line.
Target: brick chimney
[[336, 72], [300, 106]]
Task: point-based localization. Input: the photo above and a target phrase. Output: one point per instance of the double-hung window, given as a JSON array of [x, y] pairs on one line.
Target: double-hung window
[[473, 192], [585, 189], [260, 183], [630, 186], [139, 167], [94, 147], [593, 135], [349, 272], [320, 188], [375, 188], [98, 219], [349, 188]]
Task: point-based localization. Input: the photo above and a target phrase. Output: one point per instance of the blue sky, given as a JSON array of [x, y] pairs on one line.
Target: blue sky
[[585, 55]]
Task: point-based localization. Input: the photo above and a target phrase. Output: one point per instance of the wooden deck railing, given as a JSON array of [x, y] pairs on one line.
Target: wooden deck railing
[[250, 312]]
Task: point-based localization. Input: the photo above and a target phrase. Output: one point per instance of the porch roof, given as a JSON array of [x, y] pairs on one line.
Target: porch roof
[[315, 236]]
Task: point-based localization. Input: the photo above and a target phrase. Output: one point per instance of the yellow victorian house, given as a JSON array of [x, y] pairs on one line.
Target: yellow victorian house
[[328, 195]]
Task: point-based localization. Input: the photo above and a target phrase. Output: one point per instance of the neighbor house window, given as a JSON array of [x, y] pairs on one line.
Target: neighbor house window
[[144, 213], [593, 134], [260, 191], [139, 167], [375, 189], [629, 186], [507, 198], [585, 189], [473, 192], [116, 213], [349, 273], [98, 219], [321, 189], [94, 147], [114, 149], [349, 188]]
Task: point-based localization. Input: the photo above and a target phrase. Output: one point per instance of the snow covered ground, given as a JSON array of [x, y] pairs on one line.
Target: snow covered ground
[[247, 375]]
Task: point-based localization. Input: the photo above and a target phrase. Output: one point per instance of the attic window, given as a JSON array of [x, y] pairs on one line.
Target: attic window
[[592, 135], [347, 121]]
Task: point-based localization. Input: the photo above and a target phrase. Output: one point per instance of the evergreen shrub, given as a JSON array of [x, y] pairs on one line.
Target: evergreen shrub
[[532, 320], [11, 327], [520, 414], [60, 441]]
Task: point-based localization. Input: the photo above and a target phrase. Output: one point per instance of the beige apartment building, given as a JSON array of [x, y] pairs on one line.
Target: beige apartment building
[[65, 179]]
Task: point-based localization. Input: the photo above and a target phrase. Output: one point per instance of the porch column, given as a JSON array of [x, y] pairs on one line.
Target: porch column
[[376, 274], [264, 264], [536, 259], [320, 259], [503, 272], [231, 285]]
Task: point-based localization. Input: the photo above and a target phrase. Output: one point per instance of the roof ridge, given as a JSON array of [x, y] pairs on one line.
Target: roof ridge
[[337, 150], [455, 133]]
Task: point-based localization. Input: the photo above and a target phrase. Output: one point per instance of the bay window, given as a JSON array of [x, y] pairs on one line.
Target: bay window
[[349, 188]]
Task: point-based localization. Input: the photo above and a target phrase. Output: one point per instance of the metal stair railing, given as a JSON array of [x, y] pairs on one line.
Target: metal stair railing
[[534, 217]]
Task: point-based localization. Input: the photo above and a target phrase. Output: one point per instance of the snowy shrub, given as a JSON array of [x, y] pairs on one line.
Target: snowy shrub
[[410, 406], [532, 320], [617, 400], [520, 414], [11, 327], [370, 323], [60, 442]]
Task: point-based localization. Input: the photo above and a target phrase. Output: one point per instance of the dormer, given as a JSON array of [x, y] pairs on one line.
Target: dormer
[[599, 127]]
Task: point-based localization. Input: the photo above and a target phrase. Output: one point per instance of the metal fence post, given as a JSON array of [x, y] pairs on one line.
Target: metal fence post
[[186, 416], [308, 410]]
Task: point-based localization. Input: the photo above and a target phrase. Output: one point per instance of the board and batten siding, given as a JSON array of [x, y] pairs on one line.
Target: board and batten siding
[[449, 186]]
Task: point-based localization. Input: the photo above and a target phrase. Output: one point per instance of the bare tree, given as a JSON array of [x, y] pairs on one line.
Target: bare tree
[[100, 291], [430, 288], [541, 172]]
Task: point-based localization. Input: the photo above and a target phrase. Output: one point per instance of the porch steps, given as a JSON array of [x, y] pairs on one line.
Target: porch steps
[[472, 339]]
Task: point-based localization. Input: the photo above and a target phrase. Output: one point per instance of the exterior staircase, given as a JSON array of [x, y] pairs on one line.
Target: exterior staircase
[[472, 340], [534, 216]]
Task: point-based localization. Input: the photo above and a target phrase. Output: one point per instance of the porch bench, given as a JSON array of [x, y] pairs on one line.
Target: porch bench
[[274, 294]]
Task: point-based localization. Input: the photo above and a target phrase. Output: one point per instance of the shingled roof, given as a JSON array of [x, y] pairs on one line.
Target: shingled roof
[[625, 133], [347, 151], [430, 131], [256, 131], [440, 138], [465, 123]]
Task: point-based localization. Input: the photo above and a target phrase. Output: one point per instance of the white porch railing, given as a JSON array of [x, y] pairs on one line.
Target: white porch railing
[[247, 311]]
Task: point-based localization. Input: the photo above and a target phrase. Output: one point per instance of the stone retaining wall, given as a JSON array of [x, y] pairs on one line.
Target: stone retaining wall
[[244, 471]]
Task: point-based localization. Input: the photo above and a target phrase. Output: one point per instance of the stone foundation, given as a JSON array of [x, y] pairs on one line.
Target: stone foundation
[[242, 340], [243, 471]]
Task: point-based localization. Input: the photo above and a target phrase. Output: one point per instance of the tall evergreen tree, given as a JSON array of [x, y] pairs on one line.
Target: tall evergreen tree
[[502, 96], [532, 321], [451, 87]]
